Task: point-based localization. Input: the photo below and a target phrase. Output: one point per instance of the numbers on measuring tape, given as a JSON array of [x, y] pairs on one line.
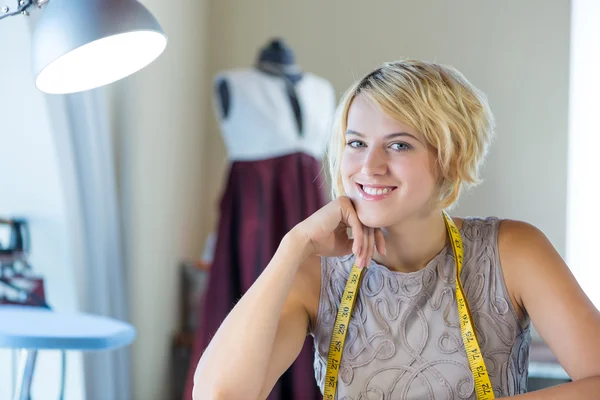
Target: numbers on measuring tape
[[486, 389], [469, 336], [334, 364], [465, 318], [331, 382], [338, 345], [481, 371]]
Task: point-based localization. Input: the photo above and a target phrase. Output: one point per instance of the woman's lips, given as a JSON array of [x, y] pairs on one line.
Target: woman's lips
[[374, 192]]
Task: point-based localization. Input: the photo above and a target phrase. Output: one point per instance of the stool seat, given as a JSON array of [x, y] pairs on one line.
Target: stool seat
[[26, 327]]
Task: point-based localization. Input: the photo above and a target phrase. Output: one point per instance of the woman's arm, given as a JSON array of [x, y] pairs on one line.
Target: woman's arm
[[265, 331], [236, 362], [292, 329], [543, 286]]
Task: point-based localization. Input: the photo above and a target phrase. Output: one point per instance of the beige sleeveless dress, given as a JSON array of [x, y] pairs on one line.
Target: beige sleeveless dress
[[404, 338]]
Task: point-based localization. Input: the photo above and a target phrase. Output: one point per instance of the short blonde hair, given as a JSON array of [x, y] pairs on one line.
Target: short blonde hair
[[441, 104]]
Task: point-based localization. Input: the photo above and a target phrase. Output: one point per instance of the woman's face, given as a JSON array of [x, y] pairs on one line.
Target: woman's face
[[387, 167]]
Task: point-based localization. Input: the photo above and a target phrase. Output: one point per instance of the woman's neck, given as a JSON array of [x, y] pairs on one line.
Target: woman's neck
[[411, 245]]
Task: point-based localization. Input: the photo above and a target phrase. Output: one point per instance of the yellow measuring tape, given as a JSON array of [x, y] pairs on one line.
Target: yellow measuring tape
[[483, 386]]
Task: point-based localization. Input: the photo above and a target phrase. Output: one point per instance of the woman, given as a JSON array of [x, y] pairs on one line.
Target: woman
[[408, 138]]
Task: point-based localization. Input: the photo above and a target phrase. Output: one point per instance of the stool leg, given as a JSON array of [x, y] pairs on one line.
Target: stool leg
[[25, 374]]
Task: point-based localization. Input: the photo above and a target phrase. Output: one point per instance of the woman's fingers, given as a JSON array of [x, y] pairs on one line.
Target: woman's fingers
[[350, 218], [365, 248], [365, 240], [371, 236], [380, 242]]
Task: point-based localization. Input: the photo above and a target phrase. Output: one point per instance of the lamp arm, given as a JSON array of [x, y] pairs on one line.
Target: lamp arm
[[22, 6]]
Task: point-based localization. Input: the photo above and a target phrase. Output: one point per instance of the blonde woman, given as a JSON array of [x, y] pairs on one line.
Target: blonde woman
[[408, 138]]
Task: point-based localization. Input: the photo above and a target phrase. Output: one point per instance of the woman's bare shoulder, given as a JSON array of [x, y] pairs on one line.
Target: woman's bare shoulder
[[519, 243]]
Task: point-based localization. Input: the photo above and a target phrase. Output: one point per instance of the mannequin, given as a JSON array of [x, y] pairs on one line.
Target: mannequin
[[275, 120], [275, 58]]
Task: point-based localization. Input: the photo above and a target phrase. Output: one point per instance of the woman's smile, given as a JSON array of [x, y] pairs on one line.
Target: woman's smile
[[374, 192]]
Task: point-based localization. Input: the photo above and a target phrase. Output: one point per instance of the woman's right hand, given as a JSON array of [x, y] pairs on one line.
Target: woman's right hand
[[326, 233]]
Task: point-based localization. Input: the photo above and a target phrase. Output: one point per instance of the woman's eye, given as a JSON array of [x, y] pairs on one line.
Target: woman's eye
[[400, 146], [356, 144]]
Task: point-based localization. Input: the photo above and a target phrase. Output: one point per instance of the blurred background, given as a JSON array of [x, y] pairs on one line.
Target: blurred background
[[121, 185]]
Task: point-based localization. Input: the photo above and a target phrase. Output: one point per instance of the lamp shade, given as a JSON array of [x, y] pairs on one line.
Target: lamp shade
[[84, 44]]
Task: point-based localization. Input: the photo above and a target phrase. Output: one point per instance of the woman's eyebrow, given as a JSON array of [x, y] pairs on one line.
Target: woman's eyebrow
[[388, 136]]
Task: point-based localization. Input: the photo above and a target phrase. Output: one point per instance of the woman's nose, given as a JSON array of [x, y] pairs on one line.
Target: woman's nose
[[375, 163]]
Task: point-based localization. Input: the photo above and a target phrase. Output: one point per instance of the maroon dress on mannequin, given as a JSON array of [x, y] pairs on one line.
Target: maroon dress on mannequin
[[275, 181]]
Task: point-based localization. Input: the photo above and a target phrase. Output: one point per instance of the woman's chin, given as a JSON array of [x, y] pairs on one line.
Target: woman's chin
[[372, 220]]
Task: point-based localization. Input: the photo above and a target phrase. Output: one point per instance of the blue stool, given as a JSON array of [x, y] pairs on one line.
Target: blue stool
[[34, 328]]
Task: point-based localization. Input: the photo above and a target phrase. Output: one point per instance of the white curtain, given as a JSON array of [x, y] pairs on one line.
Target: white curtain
[[84, 144]]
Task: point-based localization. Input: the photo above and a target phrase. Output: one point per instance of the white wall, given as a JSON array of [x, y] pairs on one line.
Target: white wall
[[159, 114], [517, 52], [30, 186]]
